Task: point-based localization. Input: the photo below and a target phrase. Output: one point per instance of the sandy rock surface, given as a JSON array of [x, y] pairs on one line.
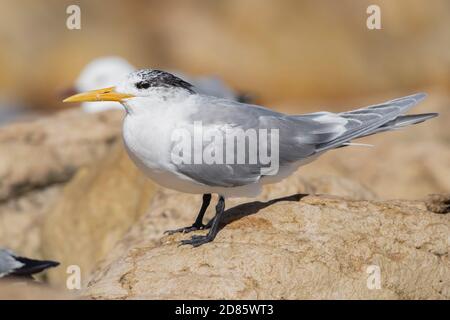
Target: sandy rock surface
[[36, 159], [20, 290], [171, 210], [21, 220], [93, 212], [49, 150], [309, 247]]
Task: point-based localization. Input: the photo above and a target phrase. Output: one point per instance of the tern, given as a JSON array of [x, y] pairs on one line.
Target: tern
[[106, 71], [12, 265], [157, 104]]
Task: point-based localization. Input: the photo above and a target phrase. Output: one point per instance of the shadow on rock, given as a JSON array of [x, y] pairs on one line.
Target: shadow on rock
[[249, 208]]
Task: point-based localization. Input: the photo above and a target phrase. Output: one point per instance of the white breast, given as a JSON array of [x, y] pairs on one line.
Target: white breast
[[148, 140]]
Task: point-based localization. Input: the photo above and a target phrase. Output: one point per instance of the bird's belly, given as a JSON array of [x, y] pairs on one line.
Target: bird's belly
[[164, 176], [149, 147]]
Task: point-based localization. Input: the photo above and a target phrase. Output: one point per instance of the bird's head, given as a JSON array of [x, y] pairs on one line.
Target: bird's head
[[138, 84]]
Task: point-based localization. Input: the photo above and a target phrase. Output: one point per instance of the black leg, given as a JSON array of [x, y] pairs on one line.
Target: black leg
[[198, 224], [195, 240]]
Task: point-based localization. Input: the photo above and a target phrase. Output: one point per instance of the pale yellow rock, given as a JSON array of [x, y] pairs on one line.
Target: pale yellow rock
[[316, 248], [21, 220], [36, 159], [94, 211], [171, 210], [27, 290], [47, 151]]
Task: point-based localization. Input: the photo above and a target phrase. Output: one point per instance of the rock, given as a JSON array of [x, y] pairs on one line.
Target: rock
[[48, 151], [21, 220], [438, 203], [171, 210], [300, 247], [36, 159], [13, 290], [93, 212]]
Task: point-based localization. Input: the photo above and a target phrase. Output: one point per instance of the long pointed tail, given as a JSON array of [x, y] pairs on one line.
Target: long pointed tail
[[31, 266], [378, 118], [403, 121]]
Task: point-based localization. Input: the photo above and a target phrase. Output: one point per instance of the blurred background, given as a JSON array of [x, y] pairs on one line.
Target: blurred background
[[80, 193], [291, 54]]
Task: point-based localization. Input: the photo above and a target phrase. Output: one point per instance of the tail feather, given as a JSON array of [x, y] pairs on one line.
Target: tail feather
[[404, 121], [31, 266], [378, 118]]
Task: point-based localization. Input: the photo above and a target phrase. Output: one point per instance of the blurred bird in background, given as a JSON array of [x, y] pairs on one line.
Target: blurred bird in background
[[12, 265]]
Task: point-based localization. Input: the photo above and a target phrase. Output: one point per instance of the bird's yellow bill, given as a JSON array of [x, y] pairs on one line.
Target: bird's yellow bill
[[106, 94]]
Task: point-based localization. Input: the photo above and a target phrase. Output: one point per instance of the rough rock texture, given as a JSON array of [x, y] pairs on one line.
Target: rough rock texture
[[93, 212], [171, 210], [439, 203], [21, 220], [36, 159], [49, 150], [308, 247]]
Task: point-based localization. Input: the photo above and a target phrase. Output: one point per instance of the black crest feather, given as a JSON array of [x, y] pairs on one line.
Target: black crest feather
[[158, 78]]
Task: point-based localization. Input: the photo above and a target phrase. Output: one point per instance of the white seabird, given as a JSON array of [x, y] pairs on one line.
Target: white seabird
[[159, 104]]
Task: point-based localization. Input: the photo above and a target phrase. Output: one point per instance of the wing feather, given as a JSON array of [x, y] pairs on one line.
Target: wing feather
[[300, 136]]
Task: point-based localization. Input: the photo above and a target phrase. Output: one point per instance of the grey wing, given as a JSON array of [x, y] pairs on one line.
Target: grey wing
[[294, 139], [299, 137]]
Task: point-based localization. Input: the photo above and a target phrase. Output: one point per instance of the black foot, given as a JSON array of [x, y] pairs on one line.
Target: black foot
[[197, 241], [194, 227]]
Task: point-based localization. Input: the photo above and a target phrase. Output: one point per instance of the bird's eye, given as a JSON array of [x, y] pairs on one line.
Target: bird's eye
[[143, 85]]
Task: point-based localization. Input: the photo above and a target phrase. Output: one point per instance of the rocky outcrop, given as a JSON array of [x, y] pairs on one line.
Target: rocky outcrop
[[299, 247], [438, 203], [170, 210], [100, 204], [37, 154], [21, 220], [36, 159], [93, 212]]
